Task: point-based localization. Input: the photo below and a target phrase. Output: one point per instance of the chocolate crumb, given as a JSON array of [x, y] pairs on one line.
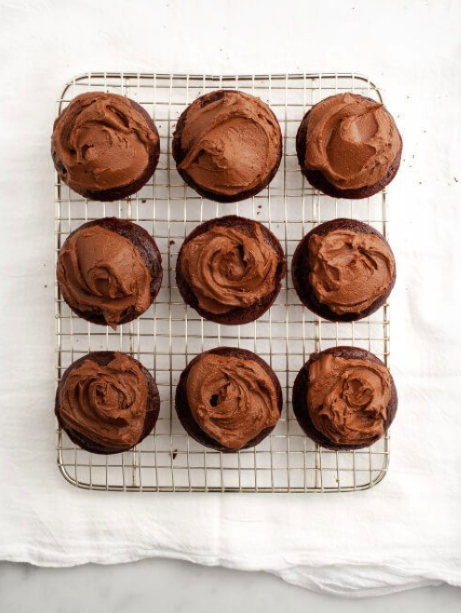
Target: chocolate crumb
[[456, 180], [174, 453], [172, 242], [144, 201]]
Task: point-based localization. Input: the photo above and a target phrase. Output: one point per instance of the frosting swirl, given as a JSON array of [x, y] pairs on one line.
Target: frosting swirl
[[231, 399], [229, 267], [231, 142], [101, 142], [348, 399], [349, 270], [106, 404], [101, 272], [351, 140]]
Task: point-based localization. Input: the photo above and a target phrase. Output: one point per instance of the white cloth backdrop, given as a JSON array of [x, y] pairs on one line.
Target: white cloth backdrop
[[404, 533]]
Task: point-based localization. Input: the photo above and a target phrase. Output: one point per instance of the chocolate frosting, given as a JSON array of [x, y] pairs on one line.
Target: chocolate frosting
[[101, 142], [106, 404], [228, 268], [351, 140], [348, 399], [231, 399], [101, 271], [349, 270], [231, 144]]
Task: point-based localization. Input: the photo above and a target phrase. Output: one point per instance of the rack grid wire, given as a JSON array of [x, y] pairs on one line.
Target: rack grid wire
[[170, 333]]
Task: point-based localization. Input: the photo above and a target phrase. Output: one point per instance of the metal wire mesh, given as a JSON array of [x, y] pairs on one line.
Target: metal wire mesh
[[170, 333]]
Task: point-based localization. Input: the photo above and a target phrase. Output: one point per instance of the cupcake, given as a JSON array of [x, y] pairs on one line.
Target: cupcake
[[348, 146], [227, 145], [107, 402], [228, 399], [230, 269], [104, 146], [343, 270], [344, 398], [109, 271]]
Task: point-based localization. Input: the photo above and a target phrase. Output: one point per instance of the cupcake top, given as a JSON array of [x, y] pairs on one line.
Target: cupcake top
[[232, 399], [105, 403], [348, 399], [102, 142], [229, 143], [351, 140], [229, 267], [100, 271], [349, 270]]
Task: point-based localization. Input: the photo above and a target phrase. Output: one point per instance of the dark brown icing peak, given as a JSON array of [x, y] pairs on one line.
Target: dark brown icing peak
[[101, 142], [231, 399], [351, 140], [231, 143], [348, 399], [228, 268], [106, 404], [101, 271], [349, 270]]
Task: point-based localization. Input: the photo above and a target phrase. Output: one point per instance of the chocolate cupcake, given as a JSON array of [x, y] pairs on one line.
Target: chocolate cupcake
[[348, 146], [107, 402], [343, 270], [344, 398], [104, 146], [227, 145], [230, 269], [228, 399], [109, 271]]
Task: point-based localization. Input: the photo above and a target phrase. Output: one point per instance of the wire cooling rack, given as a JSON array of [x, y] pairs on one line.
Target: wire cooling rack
[[170, 333]]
